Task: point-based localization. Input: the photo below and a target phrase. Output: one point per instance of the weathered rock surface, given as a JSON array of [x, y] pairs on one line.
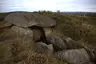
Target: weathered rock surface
[[4, 24], [72, 44], [29, 19], [88, 63], [42, 47], [57, 42], [22, 31], [36, 34], [91, 50], [74, 56]]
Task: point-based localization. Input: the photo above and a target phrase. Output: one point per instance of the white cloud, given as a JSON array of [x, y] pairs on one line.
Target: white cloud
[[40, 4], [52, 5]]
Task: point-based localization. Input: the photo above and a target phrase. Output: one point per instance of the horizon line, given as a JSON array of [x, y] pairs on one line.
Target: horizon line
[[47, 10]]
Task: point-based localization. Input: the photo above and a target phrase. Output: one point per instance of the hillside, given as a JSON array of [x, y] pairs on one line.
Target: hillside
[[19, 51], [76, 26]]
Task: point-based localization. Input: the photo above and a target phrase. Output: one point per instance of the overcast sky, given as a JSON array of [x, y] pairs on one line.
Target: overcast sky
[[51, 5]]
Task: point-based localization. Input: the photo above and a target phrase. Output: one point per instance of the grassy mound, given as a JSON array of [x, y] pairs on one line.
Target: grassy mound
[[19, 51]]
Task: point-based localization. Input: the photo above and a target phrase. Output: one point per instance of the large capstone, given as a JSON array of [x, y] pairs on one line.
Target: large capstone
[[26, 19]]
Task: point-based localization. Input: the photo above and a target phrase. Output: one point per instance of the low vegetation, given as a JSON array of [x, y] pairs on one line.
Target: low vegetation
[[76, 26], [19, 51]]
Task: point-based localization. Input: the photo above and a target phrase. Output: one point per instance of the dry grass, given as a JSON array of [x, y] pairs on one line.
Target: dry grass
[[16, 49], [78, 27], [5, 53], [20, 51]]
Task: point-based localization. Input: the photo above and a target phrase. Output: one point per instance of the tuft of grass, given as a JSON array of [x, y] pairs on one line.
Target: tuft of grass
[[5, 53]]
